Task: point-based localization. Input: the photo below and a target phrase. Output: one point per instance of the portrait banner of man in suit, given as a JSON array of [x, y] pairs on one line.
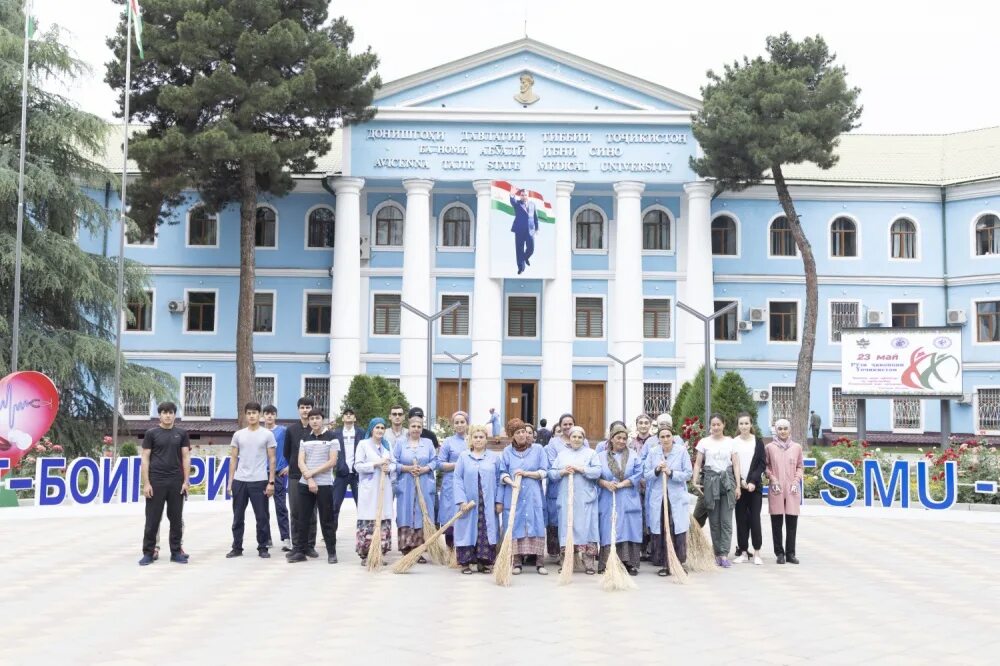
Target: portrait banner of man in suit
[[522, 212]]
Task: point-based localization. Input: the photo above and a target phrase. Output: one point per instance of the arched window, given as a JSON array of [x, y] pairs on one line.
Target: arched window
[[203, 228], [266, 234], [389, 226], [589, 230], [456, 227], [320, 226], [656, 230], [988, 235], [903, 239], [782, 241], [724, 236], [843, 238]]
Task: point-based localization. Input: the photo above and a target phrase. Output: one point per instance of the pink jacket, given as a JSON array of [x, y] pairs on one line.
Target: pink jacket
[[784, 468]]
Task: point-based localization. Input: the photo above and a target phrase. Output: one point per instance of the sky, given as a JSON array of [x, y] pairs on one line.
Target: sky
[[922, 67]]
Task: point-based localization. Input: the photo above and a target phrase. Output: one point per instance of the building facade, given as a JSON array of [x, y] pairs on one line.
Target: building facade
[[905, 230]]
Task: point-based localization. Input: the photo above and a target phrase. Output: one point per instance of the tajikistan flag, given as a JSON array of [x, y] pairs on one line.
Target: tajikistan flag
[[502, 191], [137, 25]]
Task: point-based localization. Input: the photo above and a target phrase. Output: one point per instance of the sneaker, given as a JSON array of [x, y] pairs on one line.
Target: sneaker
[[791, 559], [742, 558], [262, 553], [780, 559], [312, 553], [295, 557], [725, 563], [146, 560], [757, 560], [179, 558], [286, 545], [331, 558], [234, 553]]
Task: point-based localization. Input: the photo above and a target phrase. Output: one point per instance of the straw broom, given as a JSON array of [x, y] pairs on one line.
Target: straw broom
[[438, 553], [701, 556], [569, 557], [503, 566], [615, 575], [375, 549], [674, 565], [411, 558]]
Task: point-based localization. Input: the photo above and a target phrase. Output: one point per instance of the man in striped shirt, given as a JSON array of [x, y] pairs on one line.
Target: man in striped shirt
[[317, 459]]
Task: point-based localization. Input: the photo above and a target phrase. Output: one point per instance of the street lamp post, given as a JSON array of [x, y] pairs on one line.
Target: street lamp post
[[707, 320], [430, 319], [624, 384], [460, 362]]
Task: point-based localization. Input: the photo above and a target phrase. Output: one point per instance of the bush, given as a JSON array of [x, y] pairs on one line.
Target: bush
[[676, 413], [732, 396], [694, 401], [127, 450], [370, 396]]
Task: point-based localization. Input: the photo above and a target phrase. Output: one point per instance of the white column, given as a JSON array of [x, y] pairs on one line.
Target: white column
[[698, 288], [486, 385], [625, 311], [558, 318], [416, 292], [345, 328]]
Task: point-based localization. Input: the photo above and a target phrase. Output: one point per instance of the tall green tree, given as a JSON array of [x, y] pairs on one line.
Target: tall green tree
[[67, 295], [370, 396], [763, 114], [732, 396], [238, 96], [693, 405]]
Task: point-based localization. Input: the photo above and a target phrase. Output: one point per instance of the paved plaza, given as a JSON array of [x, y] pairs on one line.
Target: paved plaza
[[874, 586]]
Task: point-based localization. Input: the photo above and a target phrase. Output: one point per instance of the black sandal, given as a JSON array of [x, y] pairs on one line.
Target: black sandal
[[487, 569], [663, 572], [467, 570]]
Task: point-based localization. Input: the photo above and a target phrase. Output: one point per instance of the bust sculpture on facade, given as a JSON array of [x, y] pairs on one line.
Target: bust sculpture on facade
[[527, 95]]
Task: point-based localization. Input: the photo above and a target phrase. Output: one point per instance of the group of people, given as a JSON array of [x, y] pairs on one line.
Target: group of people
[[630, 492]]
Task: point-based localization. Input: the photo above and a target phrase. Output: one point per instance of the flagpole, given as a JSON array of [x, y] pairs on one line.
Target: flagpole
[[16, 323], [119, 292]]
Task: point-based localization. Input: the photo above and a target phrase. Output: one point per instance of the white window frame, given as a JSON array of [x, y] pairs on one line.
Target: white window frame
[[274, 310], [604, 230], [305, 312], [137, 417], [739, 313], [277, 227], [829, 237], [798, 321], [920, 308], [440, 297], [794, 255], [670, 313], [974, 321], [604, 316], [739, 234], [770, 400], [187, 292], [673, 233], [829, 317], [152, 315], [273, 376], [373, 226], [829, 396], [305, 228], [441, 247], [187, 229], [211, 402], [906, 431], [972, 235], [371, 313], [506, 318], [916, 239], [975, 409]]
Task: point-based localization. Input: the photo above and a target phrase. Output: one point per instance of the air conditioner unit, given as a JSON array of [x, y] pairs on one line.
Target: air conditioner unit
[[875, 318], [366, 247], [957, 316], [745, 325], [761, 395], [758, 314], [966, 399], [177, 306]]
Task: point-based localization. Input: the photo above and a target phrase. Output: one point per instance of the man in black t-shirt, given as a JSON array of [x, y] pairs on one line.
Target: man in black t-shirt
[[166, 464]]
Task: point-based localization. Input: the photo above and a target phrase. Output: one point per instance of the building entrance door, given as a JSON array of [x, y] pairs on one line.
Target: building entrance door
[[447, 397], [522, 401], [589, 409]]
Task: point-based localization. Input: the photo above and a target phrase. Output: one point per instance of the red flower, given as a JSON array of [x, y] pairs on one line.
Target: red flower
[[107, 439], [57, 448]]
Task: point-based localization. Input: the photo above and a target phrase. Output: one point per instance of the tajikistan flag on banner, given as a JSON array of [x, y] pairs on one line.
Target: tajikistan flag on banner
[[137, 25], [502, 191]]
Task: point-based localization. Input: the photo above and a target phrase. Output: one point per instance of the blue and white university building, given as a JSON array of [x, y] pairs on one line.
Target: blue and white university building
[[906, 231]]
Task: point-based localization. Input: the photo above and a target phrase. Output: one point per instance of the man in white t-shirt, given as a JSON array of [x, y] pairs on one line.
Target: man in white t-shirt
[[347, 437], [251, 478]]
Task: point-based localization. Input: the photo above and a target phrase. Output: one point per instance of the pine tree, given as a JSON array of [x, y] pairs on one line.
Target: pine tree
[[238, 96], [676, 413], [67, 326], [732, 396], [763, 114], [694, 401], [370, 396]]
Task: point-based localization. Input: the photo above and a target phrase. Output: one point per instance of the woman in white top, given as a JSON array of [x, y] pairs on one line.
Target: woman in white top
[[750, 451], [372, 459], [721, 465]]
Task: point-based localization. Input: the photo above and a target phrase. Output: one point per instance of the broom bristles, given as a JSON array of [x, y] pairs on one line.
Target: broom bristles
[[453, 559], [701, 557], [503, 567], [615, 575], [374, 562], [407, 562], [674, 565], [569, 557], [435, 549]]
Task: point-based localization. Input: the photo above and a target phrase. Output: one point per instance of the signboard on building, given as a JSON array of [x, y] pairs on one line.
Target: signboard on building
[[522, 229], [911, 362]]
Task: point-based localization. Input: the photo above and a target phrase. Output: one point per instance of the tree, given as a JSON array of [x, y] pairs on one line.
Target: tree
[[732, 396], [238, 96], [676, 414], [67, 326], [370, 396], [694, 402], [763, 114]]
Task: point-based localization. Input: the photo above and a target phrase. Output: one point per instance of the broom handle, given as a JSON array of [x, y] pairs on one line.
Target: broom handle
[[509, 532], [614, 517], [441, 530], [420, 496], [381, 497]]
